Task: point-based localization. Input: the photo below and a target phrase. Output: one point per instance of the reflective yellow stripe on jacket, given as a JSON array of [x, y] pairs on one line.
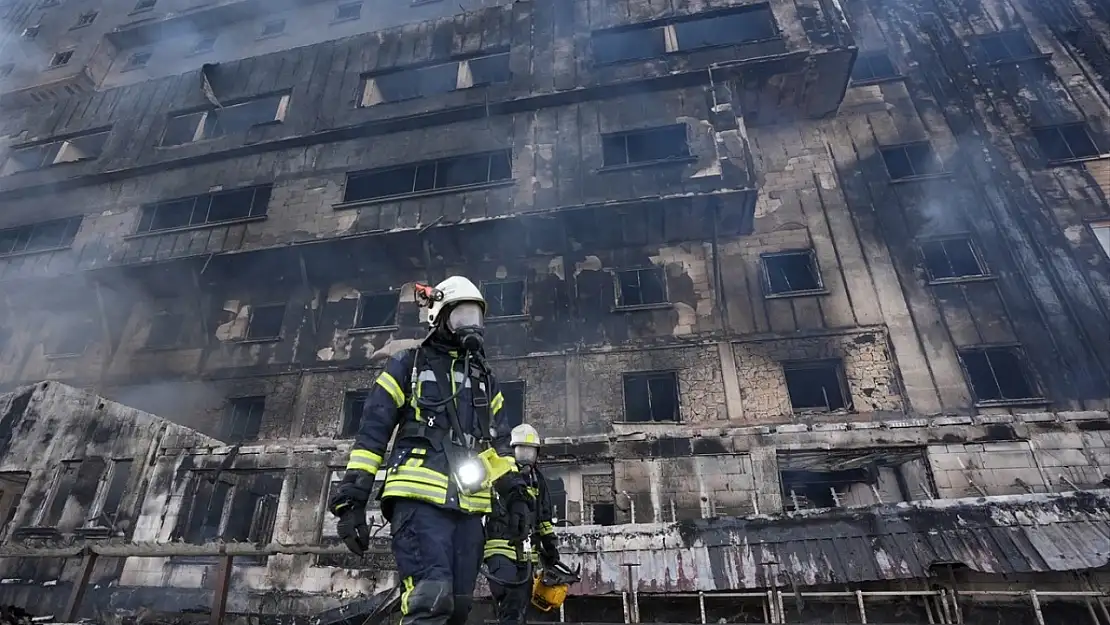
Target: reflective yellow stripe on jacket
[[502, 547], [363, 460], [389, 383]]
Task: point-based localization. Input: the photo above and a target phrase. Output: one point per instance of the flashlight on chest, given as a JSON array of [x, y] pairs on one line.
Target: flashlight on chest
[[476, 472]]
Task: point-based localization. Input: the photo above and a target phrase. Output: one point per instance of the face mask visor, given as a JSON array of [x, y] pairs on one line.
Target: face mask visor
[[526, 455], [465, 315]]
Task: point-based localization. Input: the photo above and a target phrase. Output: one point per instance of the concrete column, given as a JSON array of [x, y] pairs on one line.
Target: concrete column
[[733, 399]]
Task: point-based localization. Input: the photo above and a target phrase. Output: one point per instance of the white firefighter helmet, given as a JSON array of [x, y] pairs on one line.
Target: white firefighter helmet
[[455, 289], [525, 435]]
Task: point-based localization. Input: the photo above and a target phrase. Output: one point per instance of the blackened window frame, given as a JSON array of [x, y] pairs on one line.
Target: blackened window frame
[[515, 388], [343, 5], [245, 416], [488, 286], [247, 338], [612, 142], [927, 248], [1020, 361], [904, 149], [25, 235], [868, 60], [1008, 41], [208, 126], [350, 420], [56, 147], [496, 57], [360, 311], [258, 210], [180, 319], [814, 267], [229, 484], [495, 158], [646, 378], [619, 304], [809, 364], [1041, 133]]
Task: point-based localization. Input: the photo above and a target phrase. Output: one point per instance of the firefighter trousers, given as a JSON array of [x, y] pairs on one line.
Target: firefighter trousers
[[512, 601], [439, 554]]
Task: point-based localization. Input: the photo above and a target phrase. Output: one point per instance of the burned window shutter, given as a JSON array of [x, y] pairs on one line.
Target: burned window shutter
[[206, 71]]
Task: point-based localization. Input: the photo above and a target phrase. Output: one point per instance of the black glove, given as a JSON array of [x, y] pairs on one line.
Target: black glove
[[549, 549], [349, 504]]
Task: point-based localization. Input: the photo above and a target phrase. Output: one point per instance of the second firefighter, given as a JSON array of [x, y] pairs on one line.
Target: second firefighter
[[508, 558]]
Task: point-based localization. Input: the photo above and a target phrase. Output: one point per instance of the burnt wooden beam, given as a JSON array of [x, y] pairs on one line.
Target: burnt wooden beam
[[77, 595], [223, 584]]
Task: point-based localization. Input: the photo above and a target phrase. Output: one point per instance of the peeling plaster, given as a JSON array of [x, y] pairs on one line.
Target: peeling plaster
[[237, 327], [591, 263]]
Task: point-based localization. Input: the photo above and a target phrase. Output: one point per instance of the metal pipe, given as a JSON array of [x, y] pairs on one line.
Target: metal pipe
[[862, 610], [701, 606], [1036, 606], [624, 602], [771, 602]]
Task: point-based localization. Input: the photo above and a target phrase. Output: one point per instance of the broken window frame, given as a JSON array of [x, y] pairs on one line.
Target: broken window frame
[[620, 295], [272, 28], [350, 420], [511, 390], [137, 60], [647, 377], [612, 46], [876, 62], [108, 504], [769, 258], [66, 346], [201, 205], [208, 124], [60, 59], [244, 419], [1000, 351], [494, 293], [155, 339], [1101, 230], [360, 311], [142, 6], [85, 19], [86, 146], [67, 469], [22, 237], [204, 43], [1040, 133], [373, 85], [1008, 41], [944, 242], [31, 31], [907, 492], [618, 143], [831, 365], [498, 173], [268, 337], [904, 150], [263, 520], [13, 486], [347, 4]]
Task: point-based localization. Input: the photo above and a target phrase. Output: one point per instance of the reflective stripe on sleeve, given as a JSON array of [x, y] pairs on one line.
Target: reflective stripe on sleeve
[[364, 460], [496, 403], [389, 383]]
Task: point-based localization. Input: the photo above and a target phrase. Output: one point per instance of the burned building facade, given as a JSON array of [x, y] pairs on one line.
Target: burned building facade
[[831, 267]]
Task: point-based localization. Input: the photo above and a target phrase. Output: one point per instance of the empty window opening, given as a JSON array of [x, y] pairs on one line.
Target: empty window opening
[[457, 172], [210, 208], [871, 66], [203, 44], [329, 535], [1102, 235], [85, 147], [1005, 46], [231, 506], [791, 272], [651, 397], [746, 26], [557, 491], [165, 329], [513, 408], [64, 482], [232, 119], [910, 160], [354, 402], [504, 299], [47, 235], [73, 339], [273, 27], [603, 514], [144, 5], [31, 31], [12, 486], [266, 321], [1065, 142], [629, 45], [850, 478], [376, 310], [244, 419], [106, 510], [85, 19], [947, 259], [138, 60], [416, 82], [348, 11], [816, 386], [641, 287], [61, 58], [645, 146], [998, 374]]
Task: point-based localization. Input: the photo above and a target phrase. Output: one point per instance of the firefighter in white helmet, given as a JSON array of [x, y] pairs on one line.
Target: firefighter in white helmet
[[445, 406], [509, 560]]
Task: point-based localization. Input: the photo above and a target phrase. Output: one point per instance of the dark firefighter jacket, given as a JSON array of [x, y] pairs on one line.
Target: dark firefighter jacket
[[418, 466], [497, 543]]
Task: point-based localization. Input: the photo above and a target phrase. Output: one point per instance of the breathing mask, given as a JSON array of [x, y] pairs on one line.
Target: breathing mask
[[466, 321], [526, 454]]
